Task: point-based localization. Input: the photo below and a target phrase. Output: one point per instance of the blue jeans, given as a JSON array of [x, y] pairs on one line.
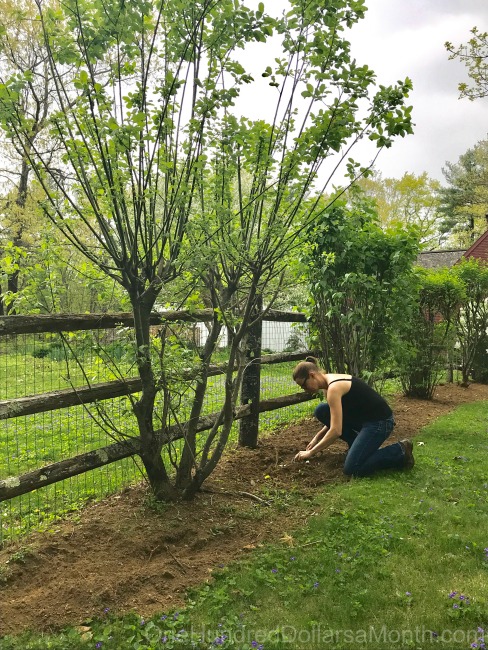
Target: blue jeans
[[364, 440]]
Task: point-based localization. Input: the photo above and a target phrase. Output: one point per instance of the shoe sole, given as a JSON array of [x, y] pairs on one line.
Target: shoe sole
[[408, 451]]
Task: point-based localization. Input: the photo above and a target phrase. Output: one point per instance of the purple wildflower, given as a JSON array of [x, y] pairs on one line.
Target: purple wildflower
[[452, 594], [407, 593], [274, 570]]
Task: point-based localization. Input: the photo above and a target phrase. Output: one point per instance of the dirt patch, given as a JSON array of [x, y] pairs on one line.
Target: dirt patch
[[121, 554]]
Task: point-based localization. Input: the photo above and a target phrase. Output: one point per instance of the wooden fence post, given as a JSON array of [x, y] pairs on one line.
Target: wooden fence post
[[251, 383]]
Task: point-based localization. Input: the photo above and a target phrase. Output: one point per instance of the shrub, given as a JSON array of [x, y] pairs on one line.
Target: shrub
[[40, 353], [422, 352]]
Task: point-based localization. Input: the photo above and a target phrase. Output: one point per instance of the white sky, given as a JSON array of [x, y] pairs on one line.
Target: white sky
[[400, 38]]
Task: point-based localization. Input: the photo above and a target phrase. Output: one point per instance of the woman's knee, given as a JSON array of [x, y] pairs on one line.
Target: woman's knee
[[353, 470], [352, 467]]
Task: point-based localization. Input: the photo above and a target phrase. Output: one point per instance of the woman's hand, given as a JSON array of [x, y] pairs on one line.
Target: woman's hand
[[303, 455]]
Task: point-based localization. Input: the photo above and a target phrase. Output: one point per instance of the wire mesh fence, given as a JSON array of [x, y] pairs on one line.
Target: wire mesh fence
[[33, 364]]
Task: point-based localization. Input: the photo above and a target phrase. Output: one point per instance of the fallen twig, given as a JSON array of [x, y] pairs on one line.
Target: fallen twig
[[182, 566], [247, 495]]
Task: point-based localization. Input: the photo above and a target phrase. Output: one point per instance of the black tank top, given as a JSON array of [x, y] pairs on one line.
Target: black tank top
[[362, 403]]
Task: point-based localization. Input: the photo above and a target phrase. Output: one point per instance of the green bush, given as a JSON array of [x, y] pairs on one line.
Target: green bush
[[40, 353], [55, 351], [422, 353], [119, 350], [362, 286]]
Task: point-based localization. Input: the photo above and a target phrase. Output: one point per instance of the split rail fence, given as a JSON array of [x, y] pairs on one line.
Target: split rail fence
[[49, 375]]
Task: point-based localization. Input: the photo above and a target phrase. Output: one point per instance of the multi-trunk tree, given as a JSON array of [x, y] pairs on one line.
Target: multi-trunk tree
[[158, 177]]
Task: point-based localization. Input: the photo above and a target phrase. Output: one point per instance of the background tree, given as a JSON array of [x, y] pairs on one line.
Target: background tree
[[464, 202], [55, 278], [158, 179], [410, 200], [22, 55], [474, 55]]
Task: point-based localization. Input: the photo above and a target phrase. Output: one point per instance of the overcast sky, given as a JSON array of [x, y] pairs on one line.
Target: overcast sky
[[398, 39]]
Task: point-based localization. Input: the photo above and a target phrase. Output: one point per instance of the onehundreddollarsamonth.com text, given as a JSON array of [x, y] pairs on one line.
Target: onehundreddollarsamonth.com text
[[373, 637]]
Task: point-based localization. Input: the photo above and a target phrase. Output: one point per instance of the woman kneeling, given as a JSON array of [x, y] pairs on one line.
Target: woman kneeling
[[357, 414]]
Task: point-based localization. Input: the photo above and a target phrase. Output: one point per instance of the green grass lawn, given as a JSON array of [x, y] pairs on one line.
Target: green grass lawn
[[396, 561]]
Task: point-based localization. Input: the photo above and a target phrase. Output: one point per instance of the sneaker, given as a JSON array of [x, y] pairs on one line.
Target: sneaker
[[407, 446]]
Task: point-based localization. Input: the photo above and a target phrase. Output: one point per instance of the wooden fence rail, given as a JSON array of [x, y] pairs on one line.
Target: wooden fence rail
[[39, 323]]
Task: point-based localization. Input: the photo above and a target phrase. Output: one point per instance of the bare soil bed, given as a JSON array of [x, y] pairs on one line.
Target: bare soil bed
[[124, 555]]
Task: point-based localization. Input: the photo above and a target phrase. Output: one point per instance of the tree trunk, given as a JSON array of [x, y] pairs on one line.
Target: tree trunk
[[188, 458], [13, 286], [210, 457], [251, 382], [158, 478], [151, 442], [20, 201]]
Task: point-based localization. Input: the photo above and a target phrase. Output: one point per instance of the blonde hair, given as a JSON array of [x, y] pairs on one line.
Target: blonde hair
[[304, 368]]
